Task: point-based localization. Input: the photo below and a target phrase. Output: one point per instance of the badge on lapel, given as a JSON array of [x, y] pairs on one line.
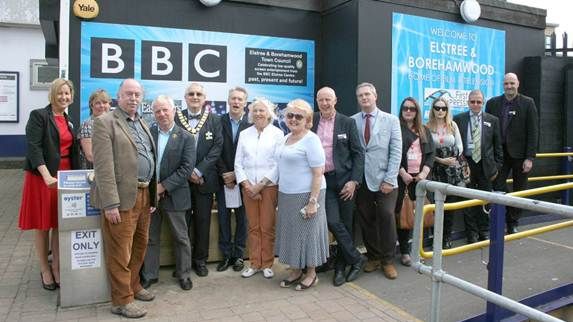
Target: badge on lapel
[[174, 136], [208, 135], [488, 124], [342, 136], [514, 113]]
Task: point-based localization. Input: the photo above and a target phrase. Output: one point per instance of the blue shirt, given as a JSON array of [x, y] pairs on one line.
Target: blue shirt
[[162, 139], [235, 127]]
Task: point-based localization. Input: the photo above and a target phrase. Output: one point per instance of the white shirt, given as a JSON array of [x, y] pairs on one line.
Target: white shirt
[[295, 162], [255, 156]]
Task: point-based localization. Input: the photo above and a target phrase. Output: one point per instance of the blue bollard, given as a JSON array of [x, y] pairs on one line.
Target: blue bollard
[[566, 169], [495, 264]]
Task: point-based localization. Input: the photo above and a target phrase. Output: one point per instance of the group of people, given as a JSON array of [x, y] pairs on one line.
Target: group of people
[[286, 192]]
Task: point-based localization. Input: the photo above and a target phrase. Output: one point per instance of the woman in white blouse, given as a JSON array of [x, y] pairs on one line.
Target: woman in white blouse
[[255, 170]]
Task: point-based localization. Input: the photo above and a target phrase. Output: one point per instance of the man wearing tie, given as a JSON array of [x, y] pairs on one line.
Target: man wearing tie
[[381, 138], [232, 123], [175, 161], [343, 171], [482, 149], [519, 134], [206, 129]]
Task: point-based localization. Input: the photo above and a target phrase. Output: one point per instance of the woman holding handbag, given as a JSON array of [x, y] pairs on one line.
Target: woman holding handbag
[[449, 148], [417, 161]]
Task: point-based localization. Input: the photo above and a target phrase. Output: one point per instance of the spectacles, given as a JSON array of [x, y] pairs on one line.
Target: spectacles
[[476, 102], [440, 108], [191, 94], [409, 109], [297, 117]]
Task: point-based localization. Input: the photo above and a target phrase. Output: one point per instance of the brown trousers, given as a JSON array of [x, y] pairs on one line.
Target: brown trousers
[[125, 245], [261, 217]]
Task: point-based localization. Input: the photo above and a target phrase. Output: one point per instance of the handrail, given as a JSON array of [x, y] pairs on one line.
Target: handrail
[[436, 272], [478, 202], [554, 155], [544, 178]]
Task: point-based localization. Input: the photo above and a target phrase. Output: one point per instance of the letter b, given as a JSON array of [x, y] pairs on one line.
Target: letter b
[[112, 58], [161, 60]]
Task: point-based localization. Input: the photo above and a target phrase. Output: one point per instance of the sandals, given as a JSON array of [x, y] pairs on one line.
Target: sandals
[[286, 283], [302, 287]]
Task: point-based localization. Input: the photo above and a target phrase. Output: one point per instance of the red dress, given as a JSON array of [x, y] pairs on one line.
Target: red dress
[[39, 207]]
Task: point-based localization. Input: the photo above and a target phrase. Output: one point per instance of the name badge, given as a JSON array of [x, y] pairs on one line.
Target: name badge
[[341, 136]]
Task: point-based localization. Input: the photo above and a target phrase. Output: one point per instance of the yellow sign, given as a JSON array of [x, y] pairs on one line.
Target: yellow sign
[[86, 9]]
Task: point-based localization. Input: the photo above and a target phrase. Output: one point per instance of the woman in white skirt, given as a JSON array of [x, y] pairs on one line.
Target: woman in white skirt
[[302, 232]]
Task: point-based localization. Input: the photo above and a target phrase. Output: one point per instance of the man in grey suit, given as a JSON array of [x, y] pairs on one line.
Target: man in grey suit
[[381, 139], [481, 139], [343, 171], [175, 162]]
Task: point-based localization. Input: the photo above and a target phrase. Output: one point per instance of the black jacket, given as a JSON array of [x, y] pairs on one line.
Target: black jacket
[[209, 147], [522, 128], [347, 151], [43, 140], [491, 150]]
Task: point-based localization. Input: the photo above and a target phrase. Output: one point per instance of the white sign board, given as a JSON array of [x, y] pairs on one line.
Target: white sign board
[[86, 247], [73, 205]]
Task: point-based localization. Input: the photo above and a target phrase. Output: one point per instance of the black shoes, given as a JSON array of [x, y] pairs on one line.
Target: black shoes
[[224, 264], [512, 229], [186, 284], [339, 278], [446, 242], [146, 283], [47, 286], [200, 269], [483, 236], [356, 269], [238, 265]]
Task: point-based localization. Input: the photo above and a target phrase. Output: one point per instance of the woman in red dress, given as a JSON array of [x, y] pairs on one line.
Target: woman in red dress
[[51, 147]]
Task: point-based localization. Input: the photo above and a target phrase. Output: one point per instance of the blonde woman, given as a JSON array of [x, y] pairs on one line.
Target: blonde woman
[[448, 145], [99, 103]]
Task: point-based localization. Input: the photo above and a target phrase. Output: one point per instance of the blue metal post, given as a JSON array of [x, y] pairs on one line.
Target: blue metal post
[[495, 264], [566, 169]]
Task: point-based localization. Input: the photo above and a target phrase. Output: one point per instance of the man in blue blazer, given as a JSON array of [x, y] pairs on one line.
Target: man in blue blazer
[[175, 161], [482, 149], [343, 171], [519, 134], [381, 139]]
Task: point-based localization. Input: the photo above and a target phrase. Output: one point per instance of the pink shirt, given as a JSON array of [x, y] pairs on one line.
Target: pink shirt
[[325, 132], [414, 156]]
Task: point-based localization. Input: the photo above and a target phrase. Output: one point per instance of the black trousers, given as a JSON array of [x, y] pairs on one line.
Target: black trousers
[[339, 216], [519, 183], [476, 220], [199, 221], [378, 223]]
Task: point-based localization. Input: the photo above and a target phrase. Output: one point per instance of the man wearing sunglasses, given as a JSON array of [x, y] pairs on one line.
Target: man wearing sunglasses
[[519, 134], [343, 171], [381, 138], [206, 128], [482, 149]]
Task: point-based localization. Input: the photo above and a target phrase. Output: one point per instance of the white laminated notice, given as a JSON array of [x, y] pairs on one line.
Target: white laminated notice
[[233, 197]]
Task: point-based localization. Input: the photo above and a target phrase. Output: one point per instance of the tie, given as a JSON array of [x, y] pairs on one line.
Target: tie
[[194, 117], [367, 128], [476, 138]]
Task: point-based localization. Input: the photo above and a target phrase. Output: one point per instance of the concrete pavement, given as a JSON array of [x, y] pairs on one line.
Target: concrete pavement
[[219, 297]]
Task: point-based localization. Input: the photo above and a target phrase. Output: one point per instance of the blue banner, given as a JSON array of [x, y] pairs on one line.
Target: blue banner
[[166, 60], [435, 58]]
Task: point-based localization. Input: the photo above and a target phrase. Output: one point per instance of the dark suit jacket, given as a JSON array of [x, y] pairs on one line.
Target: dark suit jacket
[[227, 161], [347, 151], [522, 129], [175, 166], [115, 163], [408, 137], [209, 147], [43, 139], [491, 150]]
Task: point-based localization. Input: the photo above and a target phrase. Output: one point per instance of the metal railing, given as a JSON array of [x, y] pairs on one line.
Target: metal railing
[[436, 272]]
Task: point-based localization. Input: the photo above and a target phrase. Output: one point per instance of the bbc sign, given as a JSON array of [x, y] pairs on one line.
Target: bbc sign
[[115, 58]]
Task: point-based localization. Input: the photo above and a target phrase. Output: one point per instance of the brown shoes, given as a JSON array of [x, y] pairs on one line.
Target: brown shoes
[[130, 310], [144, 295], [390, 271], [372, 265]]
